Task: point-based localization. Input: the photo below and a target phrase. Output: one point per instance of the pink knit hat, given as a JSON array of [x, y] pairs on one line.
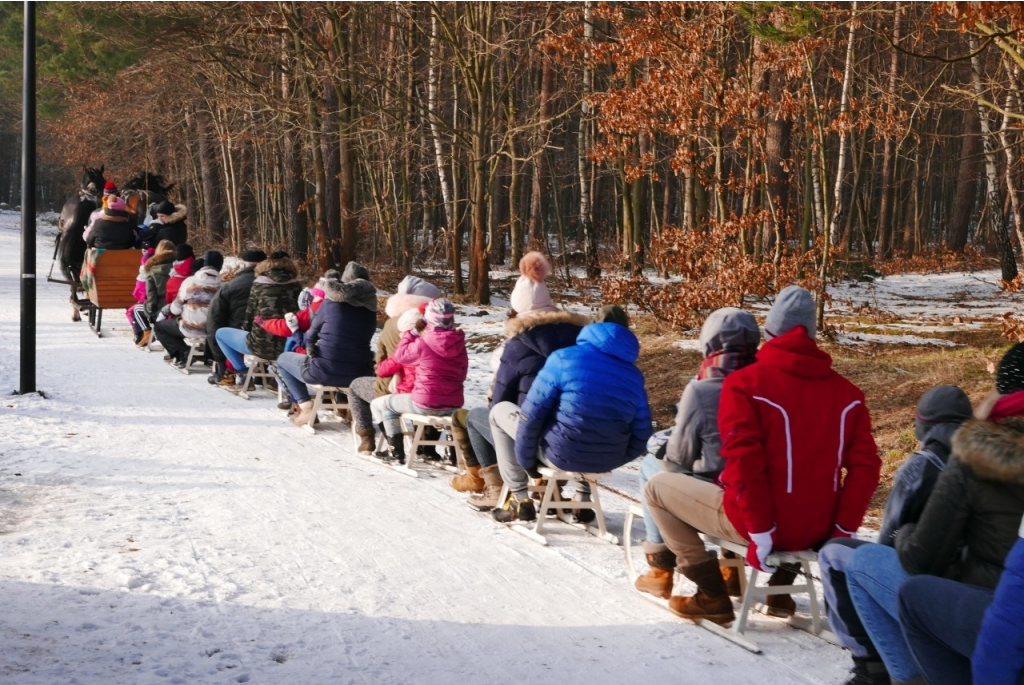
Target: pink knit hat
[[117, 204], [530, 294]]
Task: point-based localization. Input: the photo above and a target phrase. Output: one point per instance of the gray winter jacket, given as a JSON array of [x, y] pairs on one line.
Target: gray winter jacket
[[694, 441]]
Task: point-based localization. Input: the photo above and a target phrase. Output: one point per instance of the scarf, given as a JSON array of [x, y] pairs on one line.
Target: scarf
[[1007, 406], [721, 364]]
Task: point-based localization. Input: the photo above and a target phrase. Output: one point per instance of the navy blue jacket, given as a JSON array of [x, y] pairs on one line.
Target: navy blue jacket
[[531, 338], [999, 651], [338, 340], [587, 408]]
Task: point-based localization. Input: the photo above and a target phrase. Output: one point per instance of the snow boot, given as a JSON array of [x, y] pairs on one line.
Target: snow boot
[[584, 516], [658, 580], [429, 452], [868, 671], [470, 481], [712, 599], [144, 338], [515, 510], [488, 499], [305, 414], [781, 606], [285, 405], [366, 442], [397, 453]]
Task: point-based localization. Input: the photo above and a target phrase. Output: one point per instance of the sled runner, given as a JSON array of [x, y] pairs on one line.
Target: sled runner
[[554, 506], [327, 397]]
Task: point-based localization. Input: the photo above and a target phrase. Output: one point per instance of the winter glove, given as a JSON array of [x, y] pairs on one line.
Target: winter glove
[[292, 321], [534, 472], [759, 549], [259, 321], [420, 325]]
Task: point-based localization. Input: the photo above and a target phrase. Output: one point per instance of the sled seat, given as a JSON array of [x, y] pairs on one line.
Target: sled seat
[[259, 369], [414, 426], [553, 506], [196, 353], [110, 284], [327, 397], [751, 591]]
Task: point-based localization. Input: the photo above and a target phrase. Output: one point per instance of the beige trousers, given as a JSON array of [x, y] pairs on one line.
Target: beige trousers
[[682, 507]]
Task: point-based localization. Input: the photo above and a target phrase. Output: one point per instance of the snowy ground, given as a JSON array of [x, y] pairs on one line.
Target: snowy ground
[[154, 529]]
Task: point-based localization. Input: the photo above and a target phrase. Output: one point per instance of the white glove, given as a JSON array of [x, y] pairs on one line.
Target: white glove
[[760, 548], [292, 321]]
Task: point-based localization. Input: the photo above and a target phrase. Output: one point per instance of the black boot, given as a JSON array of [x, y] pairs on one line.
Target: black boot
[[868, 672], [429, 452], [397, 453]]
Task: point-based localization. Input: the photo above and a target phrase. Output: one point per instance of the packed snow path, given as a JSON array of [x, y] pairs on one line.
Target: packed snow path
[[154, 529]]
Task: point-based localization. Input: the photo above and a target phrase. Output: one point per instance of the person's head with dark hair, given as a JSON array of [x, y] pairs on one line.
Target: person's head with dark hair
[[612, 313]]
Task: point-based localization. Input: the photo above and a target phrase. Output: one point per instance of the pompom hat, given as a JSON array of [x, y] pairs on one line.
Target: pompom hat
[[1010, 373], [440, 313], [530, 294], [110, 188]]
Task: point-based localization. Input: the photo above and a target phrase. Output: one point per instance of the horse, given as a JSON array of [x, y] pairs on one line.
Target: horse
[[143, 191], [69, 250]]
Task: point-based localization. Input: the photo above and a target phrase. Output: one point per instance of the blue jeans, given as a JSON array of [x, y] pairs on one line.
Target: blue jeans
[[874, 576], [941, 620], [834, 559], [388, 410], [649, 467], [478, 426], [233, 345], [289, 366]]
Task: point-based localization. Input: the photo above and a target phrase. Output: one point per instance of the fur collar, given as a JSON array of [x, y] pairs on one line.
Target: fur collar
[[993, 451], [180, 212], [156, 260], [268, 265], [530, 320], [115, 216], [358, 293]]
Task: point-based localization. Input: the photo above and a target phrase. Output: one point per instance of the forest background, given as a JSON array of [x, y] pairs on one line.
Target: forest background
[[730, 147]]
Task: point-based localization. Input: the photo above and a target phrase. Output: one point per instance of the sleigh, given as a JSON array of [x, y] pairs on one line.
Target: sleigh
[[108, 279]]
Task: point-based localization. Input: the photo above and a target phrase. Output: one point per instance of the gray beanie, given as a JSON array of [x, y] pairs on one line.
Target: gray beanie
[[941, 404], [353, 271], [414, 285], [793, 307]]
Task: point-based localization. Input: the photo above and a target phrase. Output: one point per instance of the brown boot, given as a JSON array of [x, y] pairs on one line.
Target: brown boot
[[488, 499], [781, 606], [470, 481], [658, 580], [731, 576], [305, 413], [712, 599], [367, 442], [144, 340]]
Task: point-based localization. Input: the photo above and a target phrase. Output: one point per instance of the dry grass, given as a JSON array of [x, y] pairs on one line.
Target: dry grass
[[893, 378]]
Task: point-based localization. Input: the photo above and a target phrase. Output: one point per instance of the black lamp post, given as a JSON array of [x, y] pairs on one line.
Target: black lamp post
[[28, 207]]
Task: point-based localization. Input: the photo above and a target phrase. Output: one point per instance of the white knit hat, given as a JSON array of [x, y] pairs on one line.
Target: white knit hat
[[530, 294]]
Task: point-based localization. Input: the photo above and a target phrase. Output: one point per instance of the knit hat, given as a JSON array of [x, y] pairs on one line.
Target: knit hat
[[166, 208], [110, 188], [414, 285], [1010, 373], [183, 251], [407, 321], [117, 204], [941, 404], [793, 307], [213, 260], [354, 270], [612, 313], [253, 256], [530, 294], [440, 313]]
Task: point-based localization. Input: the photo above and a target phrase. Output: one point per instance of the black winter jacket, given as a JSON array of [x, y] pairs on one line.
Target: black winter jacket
[[338, 340], [973, 515], [227, 310], [532, 337], [113, 230], [174, 230]]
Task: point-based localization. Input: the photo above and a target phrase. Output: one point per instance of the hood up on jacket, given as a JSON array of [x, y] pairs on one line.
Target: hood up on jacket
[[445, 342], [358, 292], [992, 450], [156, 260], [180, 212], [612, 339], [797, 354], [207, 277], [400, 303], [530, 320], [281, 270], [729, 330]]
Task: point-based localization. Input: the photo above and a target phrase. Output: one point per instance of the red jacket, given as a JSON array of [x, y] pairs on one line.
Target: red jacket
[[179, 272], [789, 425], [389, 367], [279, 327]]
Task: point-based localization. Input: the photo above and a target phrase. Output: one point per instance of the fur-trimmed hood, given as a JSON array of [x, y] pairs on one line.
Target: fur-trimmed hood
[[358, 293], [277, 270], [992, 450], [400, 303], [180, 212], [530, 320], [156, 260]]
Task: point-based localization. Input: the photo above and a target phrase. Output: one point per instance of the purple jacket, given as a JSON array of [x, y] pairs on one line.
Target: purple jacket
[[439, 356]]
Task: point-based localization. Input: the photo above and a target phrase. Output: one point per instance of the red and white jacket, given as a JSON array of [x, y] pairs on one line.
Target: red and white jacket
[[800, 460]]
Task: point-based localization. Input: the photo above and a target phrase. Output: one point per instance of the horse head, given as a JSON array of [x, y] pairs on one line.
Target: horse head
[[93, 180], [147, 180]]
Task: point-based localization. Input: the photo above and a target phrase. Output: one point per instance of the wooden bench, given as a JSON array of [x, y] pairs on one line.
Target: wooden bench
[[196, 353], [326, 397], [551, 499], [749, 588], [419, 424], [258, 369], [112, 283]]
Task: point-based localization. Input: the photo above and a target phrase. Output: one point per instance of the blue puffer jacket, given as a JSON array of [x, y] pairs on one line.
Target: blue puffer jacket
[[338, 340], [999, 651], [532, 338], [587, 407]]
